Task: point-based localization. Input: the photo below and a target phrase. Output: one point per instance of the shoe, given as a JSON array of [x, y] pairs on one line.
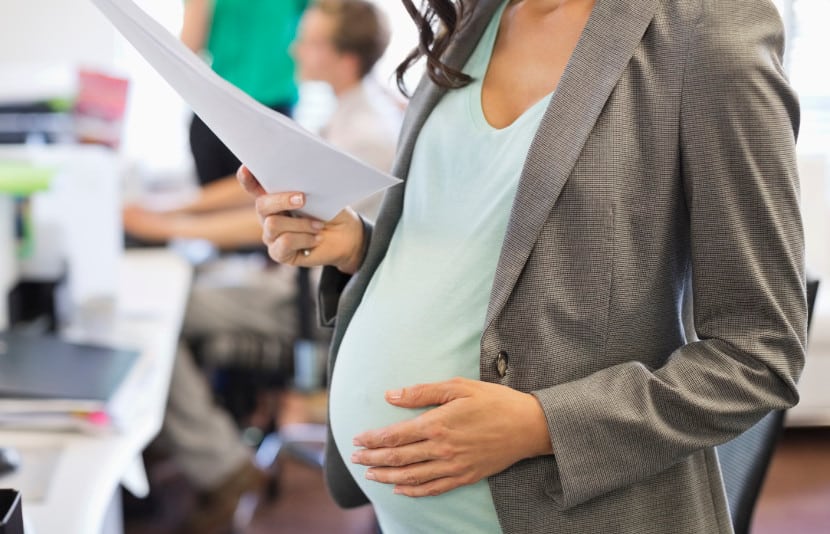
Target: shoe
[[215, 508]]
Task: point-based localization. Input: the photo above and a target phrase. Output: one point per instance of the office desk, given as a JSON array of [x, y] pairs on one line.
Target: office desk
[[83, 495]]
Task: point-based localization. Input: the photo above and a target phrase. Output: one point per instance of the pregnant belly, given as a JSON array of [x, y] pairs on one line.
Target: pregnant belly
[[368, 366], [377, 355]]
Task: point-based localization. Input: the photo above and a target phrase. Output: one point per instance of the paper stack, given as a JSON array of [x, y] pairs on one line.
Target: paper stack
[[48, 383]]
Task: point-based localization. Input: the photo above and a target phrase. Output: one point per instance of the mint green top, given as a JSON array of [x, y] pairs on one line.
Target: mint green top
[[249, 44], [423, 313]]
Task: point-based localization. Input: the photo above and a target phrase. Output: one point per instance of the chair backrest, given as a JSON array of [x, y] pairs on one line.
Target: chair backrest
[[745, 459]]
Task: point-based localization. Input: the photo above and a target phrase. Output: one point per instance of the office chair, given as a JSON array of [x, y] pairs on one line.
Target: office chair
[[745, 459], [239, 388], [300, 441]]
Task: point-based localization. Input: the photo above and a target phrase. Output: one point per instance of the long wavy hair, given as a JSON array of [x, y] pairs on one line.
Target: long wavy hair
[[437, 22]]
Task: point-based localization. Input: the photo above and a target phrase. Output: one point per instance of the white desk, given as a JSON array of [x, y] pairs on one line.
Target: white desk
[[83, 496]]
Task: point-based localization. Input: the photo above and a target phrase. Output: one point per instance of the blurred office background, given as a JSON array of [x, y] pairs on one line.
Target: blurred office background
[[44, 44]]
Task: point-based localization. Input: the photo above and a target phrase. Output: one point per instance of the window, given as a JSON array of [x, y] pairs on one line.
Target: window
[[808, 41]]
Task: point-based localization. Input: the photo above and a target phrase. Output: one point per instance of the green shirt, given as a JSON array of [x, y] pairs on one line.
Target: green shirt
[[249, 44], [422, 316]]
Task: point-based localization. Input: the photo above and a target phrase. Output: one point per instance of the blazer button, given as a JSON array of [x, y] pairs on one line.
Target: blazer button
[[501, 363]]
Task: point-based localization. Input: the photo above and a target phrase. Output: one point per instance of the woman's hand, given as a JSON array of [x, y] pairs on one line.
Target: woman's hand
[[478, 429], [303, 241]]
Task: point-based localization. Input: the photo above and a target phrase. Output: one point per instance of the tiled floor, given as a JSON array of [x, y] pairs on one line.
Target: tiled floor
[[795, 500]]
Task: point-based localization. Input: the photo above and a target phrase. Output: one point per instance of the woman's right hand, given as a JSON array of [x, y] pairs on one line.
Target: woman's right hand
[[303, 241]]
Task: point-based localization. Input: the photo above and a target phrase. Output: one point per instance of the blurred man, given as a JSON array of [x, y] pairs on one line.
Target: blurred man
[[339, 42], [237, 304]]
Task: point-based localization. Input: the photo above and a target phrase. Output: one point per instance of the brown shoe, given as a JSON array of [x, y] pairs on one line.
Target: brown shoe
[[215, 508]]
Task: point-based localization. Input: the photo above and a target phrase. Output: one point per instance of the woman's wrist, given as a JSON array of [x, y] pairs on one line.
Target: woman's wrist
[[538, 435], [353, 261], [350, 265]]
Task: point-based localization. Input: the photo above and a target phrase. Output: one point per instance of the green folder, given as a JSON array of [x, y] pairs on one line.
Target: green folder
[[22, 179]]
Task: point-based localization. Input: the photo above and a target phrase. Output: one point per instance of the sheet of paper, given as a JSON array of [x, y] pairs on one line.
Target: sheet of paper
[[281, 154]]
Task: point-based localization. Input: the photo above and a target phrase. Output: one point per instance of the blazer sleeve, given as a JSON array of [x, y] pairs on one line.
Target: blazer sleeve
[[333, 282], [739, 119]]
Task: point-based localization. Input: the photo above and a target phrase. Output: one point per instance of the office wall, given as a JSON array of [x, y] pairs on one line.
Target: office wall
[[44, 42], [50, 31]]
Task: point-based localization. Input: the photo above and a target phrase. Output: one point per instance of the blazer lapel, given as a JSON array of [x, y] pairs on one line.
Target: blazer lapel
[[605, 47]]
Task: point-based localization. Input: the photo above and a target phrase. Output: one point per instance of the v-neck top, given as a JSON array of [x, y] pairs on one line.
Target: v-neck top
[[422, 316]]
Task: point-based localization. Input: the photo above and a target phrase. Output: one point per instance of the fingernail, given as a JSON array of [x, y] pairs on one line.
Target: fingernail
[[296, 200], [317, 239], [356, 442], [318, 225], [370, 475], [355, 458], [394, 394], [397, 491]]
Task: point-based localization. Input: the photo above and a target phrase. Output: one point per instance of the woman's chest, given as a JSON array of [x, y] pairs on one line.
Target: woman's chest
[[529, 56]]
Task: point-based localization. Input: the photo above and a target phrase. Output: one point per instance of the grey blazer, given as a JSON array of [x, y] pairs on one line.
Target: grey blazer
[[665, 161]]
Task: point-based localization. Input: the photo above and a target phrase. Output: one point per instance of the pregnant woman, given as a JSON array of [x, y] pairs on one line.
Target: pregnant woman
[[510, 351]]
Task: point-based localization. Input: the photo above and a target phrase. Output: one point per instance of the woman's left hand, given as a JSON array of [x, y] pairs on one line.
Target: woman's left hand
[[476, 430]]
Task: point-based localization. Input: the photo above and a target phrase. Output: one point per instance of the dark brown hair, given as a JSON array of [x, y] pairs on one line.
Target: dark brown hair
[[360, 29], [437, 22]]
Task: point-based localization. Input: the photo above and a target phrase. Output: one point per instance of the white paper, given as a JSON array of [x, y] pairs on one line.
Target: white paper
[[281, 154]]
